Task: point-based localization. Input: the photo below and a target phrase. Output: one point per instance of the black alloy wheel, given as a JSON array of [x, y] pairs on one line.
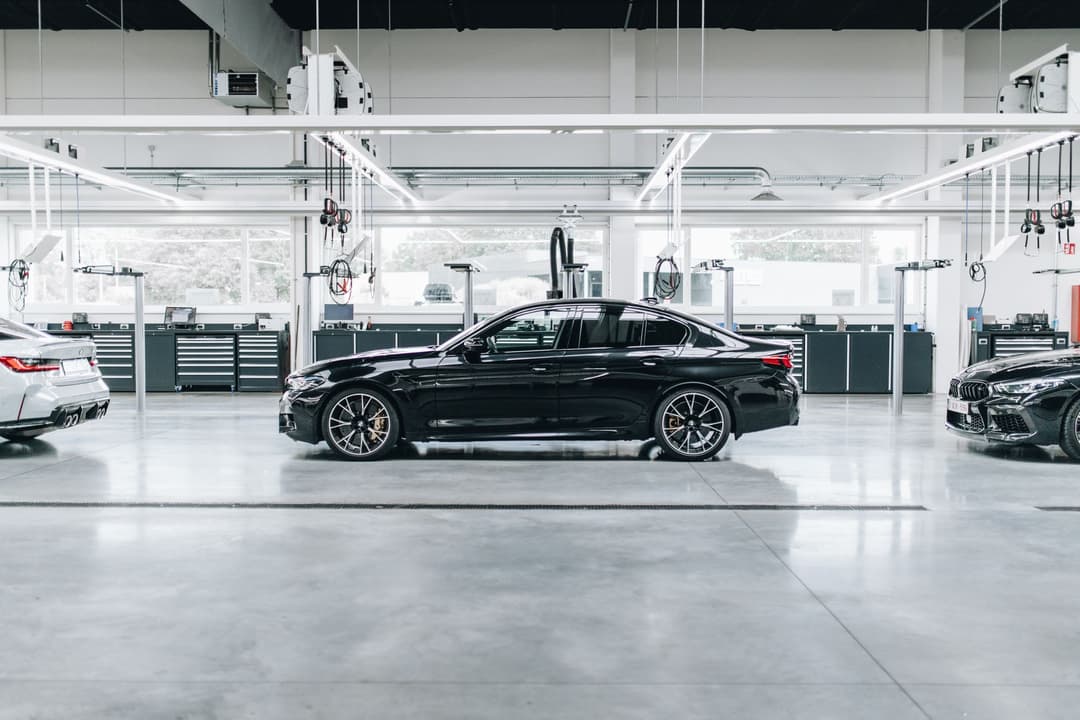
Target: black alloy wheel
[[692, 424]]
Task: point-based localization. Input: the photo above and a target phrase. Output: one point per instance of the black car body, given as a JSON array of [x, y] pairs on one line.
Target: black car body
[[580, 369], [1025, 399]]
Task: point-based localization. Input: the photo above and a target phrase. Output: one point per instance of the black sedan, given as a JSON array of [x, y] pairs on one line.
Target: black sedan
[[569, 369], [1026, 399]]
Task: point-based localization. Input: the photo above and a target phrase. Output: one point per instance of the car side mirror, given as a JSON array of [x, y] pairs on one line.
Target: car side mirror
[[474, 347]]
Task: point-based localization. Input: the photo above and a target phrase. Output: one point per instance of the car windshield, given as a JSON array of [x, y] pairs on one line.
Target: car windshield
[[19, 331]]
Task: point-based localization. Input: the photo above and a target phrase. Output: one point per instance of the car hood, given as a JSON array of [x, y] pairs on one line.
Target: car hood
[[1058, 363], [370, 357]]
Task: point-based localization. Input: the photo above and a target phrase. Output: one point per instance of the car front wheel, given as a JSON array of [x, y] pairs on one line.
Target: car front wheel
[[692, 424], [1070, 431], [360, 424]]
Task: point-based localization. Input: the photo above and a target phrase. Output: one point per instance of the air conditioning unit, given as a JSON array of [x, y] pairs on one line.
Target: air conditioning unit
[[244, 89]]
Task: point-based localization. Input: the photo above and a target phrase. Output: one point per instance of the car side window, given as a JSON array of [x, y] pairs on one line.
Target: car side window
[[662, 331], [534, 330], [611, 327], [707, 338]]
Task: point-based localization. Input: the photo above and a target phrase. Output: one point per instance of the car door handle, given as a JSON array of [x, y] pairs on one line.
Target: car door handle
[[651, 361], [540, 369]]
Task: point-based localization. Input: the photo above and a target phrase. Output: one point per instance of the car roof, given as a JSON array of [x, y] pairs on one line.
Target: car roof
[[613, 301]]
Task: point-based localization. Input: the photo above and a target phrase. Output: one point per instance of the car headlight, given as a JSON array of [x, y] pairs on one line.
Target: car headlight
[[1027, 387], [300, 383]]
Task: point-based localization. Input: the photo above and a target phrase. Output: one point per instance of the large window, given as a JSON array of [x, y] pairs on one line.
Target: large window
[[829, 266], [514, 264], [183, 265]]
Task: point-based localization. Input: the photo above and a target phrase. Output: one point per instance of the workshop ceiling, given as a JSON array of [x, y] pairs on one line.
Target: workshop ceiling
[[557, 14]]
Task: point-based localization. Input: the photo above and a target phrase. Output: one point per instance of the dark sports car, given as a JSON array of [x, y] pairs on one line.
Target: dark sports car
[[1026, 399], [572, 369]]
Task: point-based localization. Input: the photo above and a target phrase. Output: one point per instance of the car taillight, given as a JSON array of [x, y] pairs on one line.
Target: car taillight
[[781, 361], [26, 365]]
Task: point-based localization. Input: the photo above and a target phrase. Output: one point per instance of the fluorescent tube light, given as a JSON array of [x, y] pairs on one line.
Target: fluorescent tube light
[[27, 153], [982, 161]]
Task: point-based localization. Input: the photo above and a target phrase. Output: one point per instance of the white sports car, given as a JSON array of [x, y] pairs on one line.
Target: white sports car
[[46, 383]]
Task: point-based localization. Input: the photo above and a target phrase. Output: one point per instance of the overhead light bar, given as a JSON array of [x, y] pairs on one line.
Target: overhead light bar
[[31, 155], [365, 162], [678, 154], [977, 163]]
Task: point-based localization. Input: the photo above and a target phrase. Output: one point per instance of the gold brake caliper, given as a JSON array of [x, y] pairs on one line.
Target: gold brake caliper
[[377, 425]]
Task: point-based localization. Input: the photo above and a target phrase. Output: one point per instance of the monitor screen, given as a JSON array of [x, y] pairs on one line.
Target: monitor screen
[[179, 315], [337, 313]]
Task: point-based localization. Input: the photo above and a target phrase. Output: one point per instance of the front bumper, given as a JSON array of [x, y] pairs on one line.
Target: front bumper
[[298, 417], [1004, 420]]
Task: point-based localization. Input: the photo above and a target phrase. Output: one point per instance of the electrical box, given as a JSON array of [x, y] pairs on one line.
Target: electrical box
[[244, 89]]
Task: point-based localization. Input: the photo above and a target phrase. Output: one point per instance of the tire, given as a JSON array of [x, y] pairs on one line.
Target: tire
[[1070, 431], [692, 424], [360, 424]]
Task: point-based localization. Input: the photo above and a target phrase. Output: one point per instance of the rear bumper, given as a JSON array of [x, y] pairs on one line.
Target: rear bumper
[[62, 417]]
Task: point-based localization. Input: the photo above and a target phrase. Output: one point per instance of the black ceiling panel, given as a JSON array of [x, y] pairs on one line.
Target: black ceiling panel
[[558, 14]]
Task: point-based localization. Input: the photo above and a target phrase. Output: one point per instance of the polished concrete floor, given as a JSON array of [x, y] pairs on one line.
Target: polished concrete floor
[[194, 564]]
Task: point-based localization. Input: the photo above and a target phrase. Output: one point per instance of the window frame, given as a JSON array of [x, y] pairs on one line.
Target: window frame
[[561, 335]]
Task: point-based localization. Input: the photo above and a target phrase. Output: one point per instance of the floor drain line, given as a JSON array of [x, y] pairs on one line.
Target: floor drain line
[[459, 506]]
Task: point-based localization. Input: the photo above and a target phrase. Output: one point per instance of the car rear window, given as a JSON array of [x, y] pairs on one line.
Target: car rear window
[[611, 327], [663, 331]]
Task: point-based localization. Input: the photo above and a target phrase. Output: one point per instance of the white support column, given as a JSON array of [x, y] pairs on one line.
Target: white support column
[[245, 267], [945, 93], [621, 253], [300, 327]]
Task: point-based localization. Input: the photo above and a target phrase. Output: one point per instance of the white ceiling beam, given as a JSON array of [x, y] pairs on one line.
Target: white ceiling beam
[[969, 166], [678, 154], [664, 123], [538, 209]]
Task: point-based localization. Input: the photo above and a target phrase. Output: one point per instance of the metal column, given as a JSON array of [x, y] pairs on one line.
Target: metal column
[[140, 324], [729, 298], [570, 273], [140, 347], [900, 299], [898, 342], [468, 316]]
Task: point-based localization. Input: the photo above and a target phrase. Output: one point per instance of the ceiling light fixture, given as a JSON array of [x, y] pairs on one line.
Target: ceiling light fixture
[[31, 155], [766, 194], [977, 163], [357, 155], [678, 154]]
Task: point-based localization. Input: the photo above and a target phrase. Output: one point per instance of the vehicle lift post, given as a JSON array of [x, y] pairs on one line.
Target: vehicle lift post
[[729, 287], [140, 325], [570, 273], [468, 317], [898, 324]]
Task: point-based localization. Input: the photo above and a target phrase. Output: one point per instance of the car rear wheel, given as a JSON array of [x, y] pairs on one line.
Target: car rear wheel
[[1070, 432], [692, 424], [360, 424]]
